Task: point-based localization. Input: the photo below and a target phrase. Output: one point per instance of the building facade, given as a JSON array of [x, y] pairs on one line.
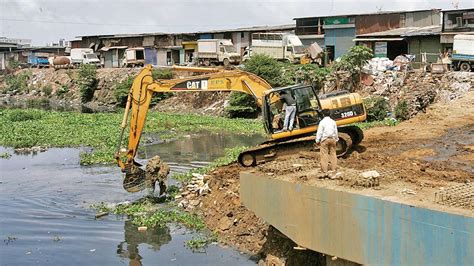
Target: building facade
[[166, 49], [459, 21]]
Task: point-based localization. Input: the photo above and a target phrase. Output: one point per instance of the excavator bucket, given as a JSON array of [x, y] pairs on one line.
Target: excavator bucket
[[135, 178]]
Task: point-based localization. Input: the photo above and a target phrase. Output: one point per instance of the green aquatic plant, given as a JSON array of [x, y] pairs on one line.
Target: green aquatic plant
[[200, 242], [30, 127], [5, 155]]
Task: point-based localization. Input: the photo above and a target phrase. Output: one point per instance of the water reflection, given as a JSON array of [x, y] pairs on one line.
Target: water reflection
[[195, 149], [154, 238]]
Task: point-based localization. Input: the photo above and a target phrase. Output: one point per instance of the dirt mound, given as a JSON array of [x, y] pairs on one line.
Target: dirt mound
[[209, 103]]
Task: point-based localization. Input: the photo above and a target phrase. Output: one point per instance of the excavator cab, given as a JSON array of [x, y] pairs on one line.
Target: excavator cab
[[308, 108]]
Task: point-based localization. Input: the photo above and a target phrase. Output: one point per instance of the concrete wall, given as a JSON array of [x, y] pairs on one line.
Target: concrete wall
[[359, 228], [340, 38]]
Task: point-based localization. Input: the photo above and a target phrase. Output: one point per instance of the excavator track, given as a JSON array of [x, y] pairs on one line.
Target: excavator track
[[349, 136]]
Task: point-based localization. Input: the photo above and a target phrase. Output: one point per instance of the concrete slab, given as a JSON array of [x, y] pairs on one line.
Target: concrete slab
[[358, 228]]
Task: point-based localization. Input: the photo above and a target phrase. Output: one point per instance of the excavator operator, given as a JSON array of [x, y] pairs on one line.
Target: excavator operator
[[290, 110]]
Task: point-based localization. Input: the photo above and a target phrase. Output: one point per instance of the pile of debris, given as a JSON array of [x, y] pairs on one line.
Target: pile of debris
[[198, 186], [417, 88]]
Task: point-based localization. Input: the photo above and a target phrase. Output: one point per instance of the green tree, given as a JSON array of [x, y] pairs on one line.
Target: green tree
[[353, 61], [265, 67]]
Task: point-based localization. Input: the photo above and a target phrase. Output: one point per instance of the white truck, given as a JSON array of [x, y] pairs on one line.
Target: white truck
[[216, 52], [463, 52], [84, 56], [281, 46], [134, 57]]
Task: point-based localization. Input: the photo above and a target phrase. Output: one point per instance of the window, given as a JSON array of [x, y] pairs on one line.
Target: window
[[242, 35]]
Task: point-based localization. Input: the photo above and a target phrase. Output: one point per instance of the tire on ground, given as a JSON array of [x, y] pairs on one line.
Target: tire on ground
[[344, 144]]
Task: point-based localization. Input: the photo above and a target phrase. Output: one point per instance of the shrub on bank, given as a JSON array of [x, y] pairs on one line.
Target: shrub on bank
[[123, 88], [241, 105], [87, 81], [401, 111], [121, 91], [377, 108], [18, 82], [48, 89], [160, 73]]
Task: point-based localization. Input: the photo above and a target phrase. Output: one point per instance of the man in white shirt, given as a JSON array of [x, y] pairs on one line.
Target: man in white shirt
[[327, 138]]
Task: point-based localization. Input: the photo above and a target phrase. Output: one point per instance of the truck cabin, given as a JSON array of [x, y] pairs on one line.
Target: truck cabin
[[226, 46]]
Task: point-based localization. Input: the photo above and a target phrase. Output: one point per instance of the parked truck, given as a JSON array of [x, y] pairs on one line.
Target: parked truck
[[281, 46], [84, 56], [463, 52], [38, 60], [134, 57], [217, 52]]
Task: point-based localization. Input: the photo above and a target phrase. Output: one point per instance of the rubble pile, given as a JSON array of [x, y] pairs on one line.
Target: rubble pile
[[419, 89], [215, 197], [198, 186]]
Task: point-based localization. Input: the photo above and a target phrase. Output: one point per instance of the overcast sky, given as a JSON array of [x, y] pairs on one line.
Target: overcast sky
[[49, 20]]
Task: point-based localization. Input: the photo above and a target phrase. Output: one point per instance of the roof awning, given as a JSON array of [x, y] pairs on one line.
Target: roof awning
[[377, 39], [105, 49]]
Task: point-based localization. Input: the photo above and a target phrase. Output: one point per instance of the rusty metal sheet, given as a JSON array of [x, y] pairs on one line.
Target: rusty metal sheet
[[359, 228], [370, 23]]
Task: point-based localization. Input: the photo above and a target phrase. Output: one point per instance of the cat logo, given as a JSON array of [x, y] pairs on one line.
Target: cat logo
[[196, 84]]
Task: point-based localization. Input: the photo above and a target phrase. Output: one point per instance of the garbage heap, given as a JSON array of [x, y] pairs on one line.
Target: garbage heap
[[417, 88]]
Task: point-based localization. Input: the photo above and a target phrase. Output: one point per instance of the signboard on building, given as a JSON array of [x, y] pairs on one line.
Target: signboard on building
[[336, 21], [380, 49]]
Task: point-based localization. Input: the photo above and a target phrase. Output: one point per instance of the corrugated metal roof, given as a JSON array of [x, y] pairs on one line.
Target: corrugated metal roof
[[376, 39], [370, 13], [406, 32], [424, 31], [256, 28], [105, 49]]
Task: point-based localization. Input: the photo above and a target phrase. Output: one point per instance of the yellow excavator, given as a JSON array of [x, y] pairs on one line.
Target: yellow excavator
[[346, 108]]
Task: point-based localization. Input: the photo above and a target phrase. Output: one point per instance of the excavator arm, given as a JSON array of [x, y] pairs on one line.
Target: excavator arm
[[144, 86]]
